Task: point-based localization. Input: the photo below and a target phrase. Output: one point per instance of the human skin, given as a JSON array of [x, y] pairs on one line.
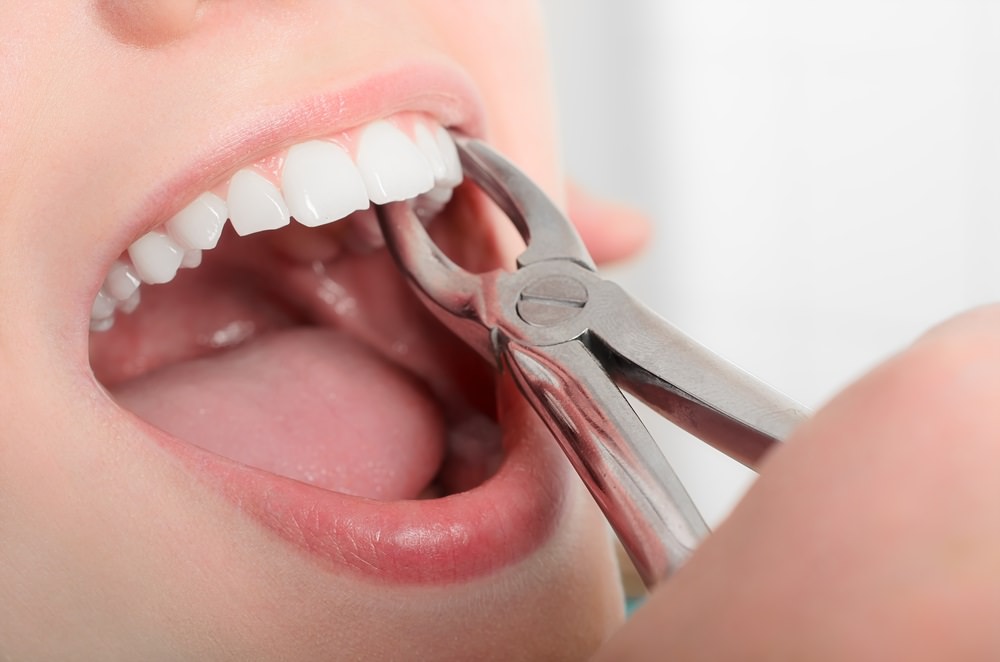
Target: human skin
[[873, 535], [110, 546]]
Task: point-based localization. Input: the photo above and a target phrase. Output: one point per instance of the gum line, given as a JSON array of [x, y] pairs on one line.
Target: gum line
[[316, 182]]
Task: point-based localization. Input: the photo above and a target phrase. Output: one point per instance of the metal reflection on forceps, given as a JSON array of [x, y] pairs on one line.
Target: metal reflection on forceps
[[572, 341]]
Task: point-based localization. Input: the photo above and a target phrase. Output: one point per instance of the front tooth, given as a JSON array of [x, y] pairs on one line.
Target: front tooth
[[255, 204], [321, 184], [199, 225], [392, 167], [155, 257], [452, 164]]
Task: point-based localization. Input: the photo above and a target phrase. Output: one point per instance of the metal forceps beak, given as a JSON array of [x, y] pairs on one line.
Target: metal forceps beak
[[572, 340]]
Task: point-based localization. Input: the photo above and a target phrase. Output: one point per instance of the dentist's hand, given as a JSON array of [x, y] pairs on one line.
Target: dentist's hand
[[874, 534]]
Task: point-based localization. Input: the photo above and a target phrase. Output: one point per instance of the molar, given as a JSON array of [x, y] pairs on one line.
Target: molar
[[103, 308], [191, 259], [120, 291], [129, 304]]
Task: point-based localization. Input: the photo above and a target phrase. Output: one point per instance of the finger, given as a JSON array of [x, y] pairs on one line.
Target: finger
[[610, 230], [873, 534]]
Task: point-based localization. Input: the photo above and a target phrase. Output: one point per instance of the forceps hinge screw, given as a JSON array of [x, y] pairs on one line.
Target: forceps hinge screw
[[551, 300]]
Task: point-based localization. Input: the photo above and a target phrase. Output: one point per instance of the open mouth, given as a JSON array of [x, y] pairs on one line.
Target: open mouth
[[264, 335]]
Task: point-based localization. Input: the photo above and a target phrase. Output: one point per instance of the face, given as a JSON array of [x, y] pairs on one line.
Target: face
[[276, 453]]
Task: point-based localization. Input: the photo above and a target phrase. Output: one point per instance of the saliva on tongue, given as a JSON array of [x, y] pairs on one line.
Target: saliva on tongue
[[313, 404]]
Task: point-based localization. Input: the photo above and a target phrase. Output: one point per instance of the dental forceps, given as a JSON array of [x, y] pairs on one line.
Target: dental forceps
[[572, 340]]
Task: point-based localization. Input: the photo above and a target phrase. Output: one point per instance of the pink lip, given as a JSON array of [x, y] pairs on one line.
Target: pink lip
[[451, 539]]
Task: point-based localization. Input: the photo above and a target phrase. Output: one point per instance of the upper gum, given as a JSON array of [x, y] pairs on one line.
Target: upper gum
[[269, 166]]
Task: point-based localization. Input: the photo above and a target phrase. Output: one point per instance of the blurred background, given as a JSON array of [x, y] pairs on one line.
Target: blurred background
[[824, 176]]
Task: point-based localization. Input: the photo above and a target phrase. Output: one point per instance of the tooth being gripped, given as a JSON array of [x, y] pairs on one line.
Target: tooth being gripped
[[199, 225], [321, 183], [430, 204], [392, 167], [155, 257], [255, 204], [428, 146], [452, 163]]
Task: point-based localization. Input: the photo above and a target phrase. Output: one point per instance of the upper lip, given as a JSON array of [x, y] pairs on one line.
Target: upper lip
[[442, 91]]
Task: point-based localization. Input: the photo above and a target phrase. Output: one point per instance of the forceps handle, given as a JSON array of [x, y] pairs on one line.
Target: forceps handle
[[620, 464], [687, 384]]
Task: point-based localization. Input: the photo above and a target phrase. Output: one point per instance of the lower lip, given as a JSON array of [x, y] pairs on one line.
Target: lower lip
[[446, 540]]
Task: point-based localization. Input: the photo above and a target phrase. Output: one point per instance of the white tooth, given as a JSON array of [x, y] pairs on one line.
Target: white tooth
[[191, 259], [392, 167], [439, 195], [428, 146], [102, 324], [255, 204], [155, 257], [121, 281], [104, 305], [199, 225], [430, 204], [321, 184], [129, 304], [452, 164]]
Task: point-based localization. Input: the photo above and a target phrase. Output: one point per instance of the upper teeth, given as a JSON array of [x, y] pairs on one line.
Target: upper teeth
[[320, 182]]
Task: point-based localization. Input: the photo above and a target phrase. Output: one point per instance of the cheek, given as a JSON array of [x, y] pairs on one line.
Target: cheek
[[503, 49], [502, 46]]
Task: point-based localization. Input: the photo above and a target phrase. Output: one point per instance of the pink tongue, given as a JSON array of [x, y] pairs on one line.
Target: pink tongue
[[311, 404]]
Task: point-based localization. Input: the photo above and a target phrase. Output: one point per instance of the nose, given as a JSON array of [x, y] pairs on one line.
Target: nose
[[147, 22]]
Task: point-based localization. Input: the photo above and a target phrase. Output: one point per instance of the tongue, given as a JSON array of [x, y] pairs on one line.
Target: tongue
[[310, 404]]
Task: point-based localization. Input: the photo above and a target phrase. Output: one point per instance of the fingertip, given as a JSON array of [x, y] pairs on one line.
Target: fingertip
[[981, 324], [611, 231]]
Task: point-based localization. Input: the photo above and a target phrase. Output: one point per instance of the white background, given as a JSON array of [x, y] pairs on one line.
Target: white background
[[825, 176]]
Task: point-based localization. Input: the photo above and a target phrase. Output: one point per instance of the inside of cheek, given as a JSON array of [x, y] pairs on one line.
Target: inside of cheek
[[325, 370]]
